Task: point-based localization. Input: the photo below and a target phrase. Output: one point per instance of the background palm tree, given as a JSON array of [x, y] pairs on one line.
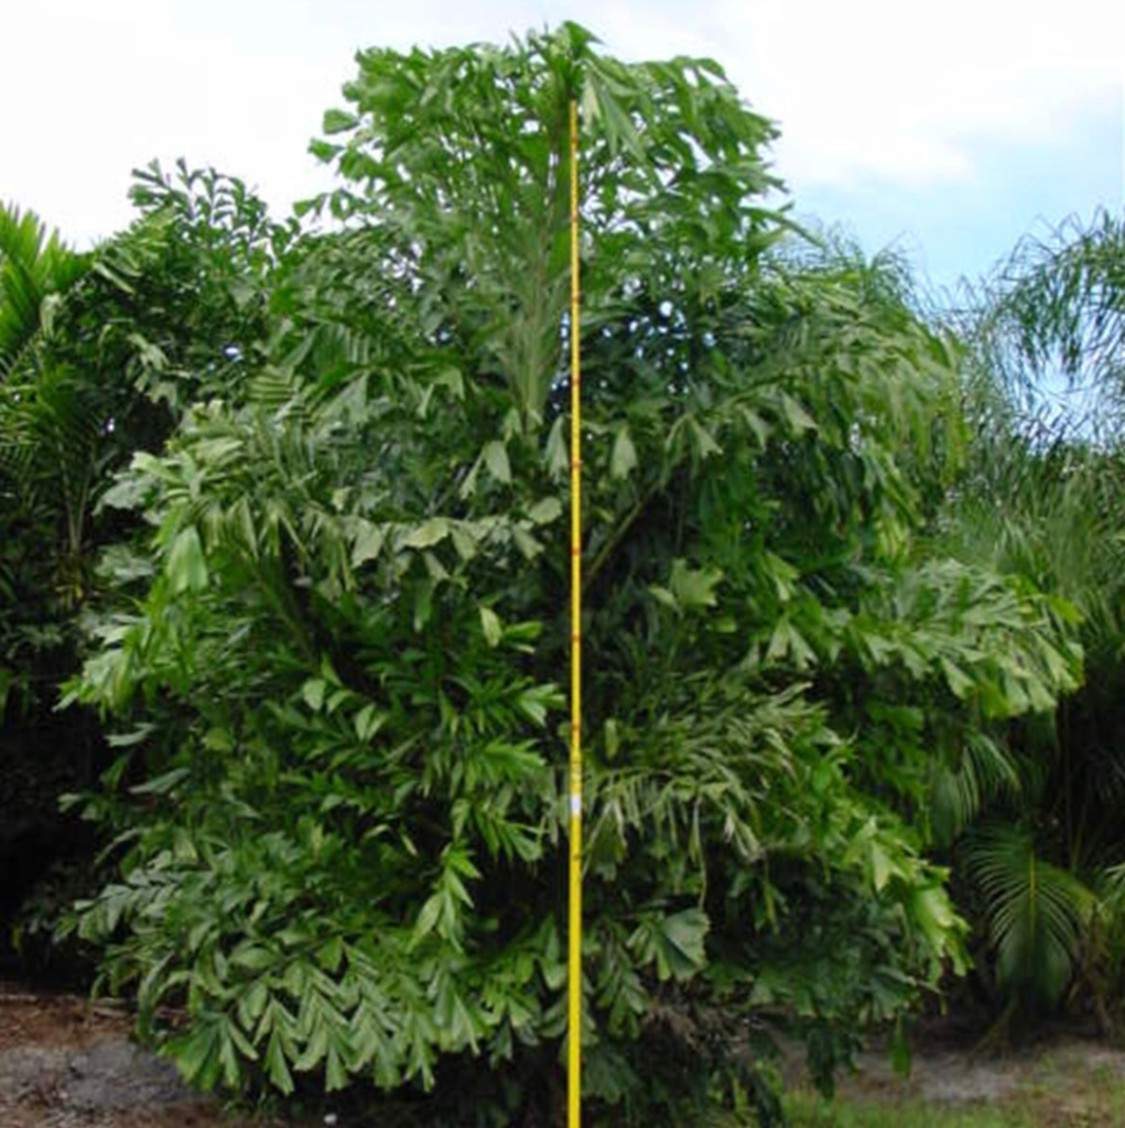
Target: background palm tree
[[41, 478], [1044, 498], [36, 269]]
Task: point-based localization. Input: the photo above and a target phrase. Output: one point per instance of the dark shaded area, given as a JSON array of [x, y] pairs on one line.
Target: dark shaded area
[[46, 856]]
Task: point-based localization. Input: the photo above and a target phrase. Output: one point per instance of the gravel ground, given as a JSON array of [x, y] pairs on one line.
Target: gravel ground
[[67, 1064]]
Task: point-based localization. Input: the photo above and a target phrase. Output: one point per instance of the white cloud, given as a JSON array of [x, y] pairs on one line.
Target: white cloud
[[906, 90], [903, 91]]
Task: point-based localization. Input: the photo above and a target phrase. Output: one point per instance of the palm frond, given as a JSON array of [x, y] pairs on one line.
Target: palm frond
[[1037, 912], [50, 431], [34, 266], [986, 770], [1052, 317]]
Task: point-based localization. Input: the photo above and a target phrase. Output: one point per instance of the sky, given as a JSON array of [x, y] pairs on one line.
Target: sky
[[946, 130]]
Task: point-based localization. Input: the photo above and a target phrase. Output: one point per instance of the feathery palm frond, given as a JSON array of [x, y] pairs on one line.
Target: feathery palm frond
[[987, 769], [1037, 912], [1066, 302], [34, 267], [1052, 319], [50, 432]]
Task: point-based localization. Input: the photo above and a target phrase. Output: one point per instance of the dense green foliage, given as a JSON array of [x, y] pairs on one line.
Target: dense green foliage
[[327, 628], [1042, 499], [98, 355]]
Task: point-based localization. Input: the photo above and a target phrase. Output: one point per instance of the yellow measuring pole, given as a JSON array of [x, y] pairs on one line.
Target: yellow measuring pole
[[574, 914]]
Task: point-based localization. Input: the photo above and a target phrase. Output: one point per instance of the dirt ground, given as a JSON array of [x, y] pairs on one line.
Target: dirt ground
[[959, 1077], [67, 1063], [1064, 1078]]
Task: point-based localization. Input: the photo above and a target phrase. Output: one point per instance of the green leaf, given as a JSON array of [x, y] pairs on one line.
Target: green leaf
[[162, 784], [557, 455], [369, 542], [368, 721], [546, 510], [881, 867], [276, 1065], [330, 954], [313, 692], [529, 547], [934, 915], [535, 701], [959, 684], [428, 916], [186, 566], [490, 624], [685, 933], [624, 457], [253, 957], [612, 738], [496, 459], [694, 587], [786, 642], [463, 543], [197, 1054], [798, 418], [675, 943], [664, 596], [704, 444], [426, 535], [423, 603], [338, 121]]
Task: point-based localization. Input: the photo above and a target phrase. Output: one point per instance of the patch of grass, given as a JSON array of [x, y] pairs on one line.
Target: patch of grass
[[807, 1110], [1094, 1099], [1071, 1082]]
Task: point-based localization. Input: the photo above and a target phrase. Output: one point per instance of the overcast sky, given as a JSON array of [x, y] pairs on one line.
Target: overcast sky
[[949, 128]]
